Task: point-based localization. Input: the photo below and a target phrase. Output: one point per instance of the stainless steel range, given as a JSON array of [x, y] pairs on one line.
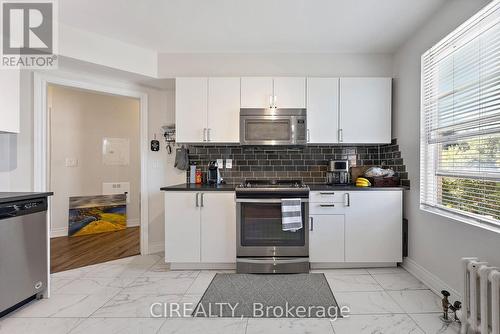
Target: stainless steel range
[[262, 245]]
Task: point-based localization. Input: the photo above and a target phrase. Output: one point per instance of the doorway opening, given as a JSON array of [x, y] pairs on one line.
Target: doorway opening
[[94, 170]]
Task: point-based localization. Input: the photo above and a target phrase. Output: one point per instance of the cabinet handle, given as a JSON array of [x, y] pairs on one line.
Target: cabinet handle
[[202, 199], [204, 134], [308, 135], [347, 199], [270, 101], [326, 193], [327, 205], [208, 133], [341, 136], [274, 104], [311, 224], [197, 204]]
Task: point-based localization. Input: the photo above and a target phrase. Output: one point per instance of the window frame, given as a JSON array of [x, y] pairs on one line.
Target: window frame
[[429, 155]]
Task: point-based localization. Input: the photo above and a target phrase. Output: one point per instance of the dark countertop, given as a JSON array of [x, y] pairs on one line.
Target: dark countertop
[[203, 187], [313, 187], [6, 197], [322, 187]]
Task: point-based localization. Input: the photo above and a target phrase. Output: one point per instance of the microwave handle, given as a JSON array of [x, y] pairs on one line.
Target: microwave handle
[[308, 135]]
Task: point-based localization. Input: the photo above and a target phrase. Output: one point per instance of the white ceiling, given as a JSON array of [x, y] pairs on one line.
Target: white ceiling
[[252, 26]]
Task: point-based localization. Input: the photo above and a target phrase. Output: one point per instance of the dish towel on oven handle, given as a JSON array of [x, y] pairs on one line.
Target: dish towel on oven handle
[[291, 214]]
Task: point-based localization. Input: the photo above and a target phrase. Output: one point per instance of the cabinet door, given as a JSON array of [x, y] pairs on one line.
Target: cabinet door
[[326, 238], [191, 103], [365, 110], [290, 92], [256, 92], [322, 110], [9, 101], [373, 226], [182, 227], [218, 228], [224, 110]]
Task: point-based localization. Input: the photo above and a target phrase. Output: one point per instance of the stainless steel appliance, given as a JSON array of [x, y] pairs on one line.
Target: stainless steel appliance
[[23, 251], [273, 126], [338, 172], [262, 246]]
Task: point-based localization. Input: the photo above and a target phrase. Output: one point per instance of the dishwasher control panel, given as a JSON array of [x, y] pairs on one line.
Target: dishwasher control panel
[[20, 208]]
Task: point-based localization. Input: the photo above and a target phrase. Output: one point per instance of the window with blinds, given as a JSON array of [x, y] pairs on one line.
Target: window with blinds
[[460, 122]]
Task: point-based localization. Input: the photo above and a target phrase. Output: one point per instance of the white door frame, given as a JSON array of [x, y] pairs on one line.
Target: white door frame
[[41, 158]]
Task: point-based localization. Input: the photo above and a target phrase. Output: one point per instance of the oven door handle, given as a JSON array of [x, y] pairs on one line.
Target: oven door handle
[[265, 200]]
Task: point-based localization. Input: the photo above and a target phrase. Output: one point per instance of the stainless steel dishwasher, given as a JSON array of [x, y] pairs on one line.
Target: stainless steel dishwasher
[[23, 251]]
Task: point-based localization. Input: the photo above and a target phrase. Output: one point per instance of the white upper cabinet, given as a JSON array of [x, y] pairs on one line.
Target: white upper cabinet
[[191, 106], [223, 110], [256, 92], [207, 110], [365, 110], [289, 92], [10, 101], [322, 110], [266, 92]]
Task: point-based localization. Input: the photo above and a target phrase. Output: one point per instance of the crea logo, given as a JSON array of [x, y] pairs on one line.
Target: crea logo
[[29, 31]]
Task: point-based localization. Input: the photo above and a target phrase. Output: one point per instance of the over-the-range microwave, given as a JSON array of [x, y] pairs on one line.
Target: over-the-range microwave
[[273, 126]]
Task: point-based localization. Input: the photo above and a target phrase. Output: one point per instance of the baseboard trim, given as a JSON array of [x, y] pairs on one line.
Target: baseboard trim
[[429, 279], [59, 232], [201, 266], [156, 247], [133, 222], [351, 265]]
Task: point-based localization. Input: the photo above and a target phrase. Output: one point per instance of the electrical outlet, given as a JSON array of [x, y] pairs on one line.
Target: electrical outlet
[[229, 163], [71, 162]]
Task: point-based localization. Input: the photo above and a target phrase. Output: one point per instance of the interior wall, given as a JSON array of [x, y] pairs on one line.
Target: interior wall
[[266, 64], [436, 243], [79, 122]]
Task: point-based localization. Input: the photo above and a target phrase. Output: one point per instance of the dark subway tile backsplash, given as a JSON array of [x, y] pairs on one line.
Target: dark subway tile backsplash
[[308, 163]]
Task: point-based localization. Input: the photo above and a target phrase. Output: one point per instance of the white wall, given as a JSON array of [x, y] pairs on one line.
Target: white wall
[[435, 243], [16, 151], [79, 120], [264, 64]]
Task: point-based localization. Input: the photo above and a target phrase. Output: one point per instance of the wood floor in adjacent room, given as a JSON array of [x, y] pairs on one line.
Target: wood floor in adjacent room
[[75, 252]]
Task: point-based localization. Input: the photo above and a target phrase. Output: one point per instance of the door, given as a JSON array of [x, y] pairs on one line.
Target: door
[[322, 110], [289, 92], [224, 110], [326, 238], [218, 228], [191, 104], [182, 227], [256, 92], [365, 110], [373, 226]]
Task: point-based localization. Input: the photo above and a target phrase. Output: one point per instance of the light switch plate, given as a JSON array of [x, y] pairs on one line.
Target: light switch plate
[[220, 163], [229, 163]]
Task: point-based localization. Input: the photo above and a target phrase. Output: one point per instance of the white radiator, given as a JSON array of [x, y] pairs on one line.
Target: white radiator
[[481, 306]]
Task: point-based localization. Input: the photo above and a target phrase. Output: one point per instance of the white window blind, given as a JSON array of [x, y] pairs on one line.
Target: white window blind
[[460, 121]]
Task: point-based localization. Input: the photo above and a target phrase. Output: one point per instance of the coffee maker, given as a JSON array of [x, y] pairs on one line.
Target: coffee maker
[[213, 175], [338, 172]]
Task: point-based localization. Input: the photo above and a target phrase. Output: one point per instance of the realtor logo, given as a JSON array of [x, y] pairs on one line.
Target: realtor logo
[[28, 34]]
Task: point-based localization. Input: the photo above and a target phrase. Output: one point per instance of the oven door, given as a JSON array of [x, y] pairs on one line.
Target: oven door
[[259, 230]]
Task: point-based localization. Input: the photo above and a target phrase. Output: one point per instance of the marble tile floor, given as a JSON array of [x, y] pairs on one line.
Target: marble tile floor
[[115, 297]]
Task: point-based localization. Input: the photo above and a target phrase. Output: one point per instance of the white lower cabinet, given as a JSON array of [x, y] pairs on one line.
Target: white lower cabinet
[[365, 228], [326, 238], [374, 225], [218, 228], [200, 227]]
